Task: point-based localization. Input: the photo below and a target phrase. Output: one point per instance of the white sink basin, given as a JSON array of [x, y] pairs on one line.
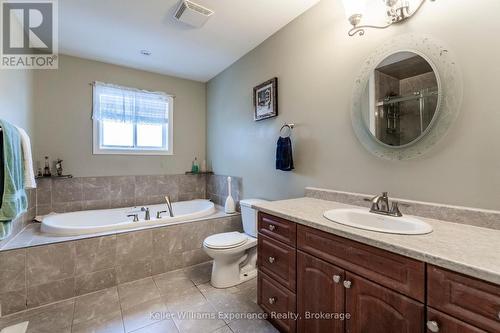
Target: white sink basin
[[363, 219]]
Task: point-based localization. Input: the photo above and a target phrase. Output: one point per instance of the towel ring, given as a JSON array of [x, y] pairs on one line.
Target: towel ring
[[287, 126]]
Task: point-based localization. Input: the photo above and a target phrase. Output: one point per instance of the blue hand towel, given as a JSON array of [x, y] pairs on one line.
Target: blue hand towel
[[14, 200], [284, 158]]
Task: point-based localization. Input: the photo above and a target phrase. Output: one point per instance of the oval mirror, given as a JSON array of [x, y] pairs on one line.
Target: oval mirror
[[401, 99]]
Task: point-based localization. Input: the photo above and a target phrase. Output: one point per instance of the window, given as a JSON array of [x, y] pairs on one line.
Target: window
[[131, 121]]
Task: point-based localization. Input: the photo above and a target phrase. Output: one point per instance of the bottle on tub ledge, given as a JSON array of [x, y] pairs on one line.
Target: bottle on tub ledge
[[195, 167], [230, 206], [46, 169]]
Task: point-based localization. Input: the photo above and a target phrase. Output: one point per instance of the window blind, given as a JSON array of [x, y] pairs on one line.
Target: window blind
[[129, 105]]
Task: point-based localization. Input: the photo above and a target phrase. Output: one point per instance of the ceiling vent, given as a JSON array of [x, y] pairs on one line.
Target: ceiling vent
[[192, 14]]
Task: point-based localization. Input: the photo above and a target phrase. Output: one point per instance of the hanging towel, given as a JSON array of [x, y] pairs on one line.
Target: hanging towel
[[284, 158], [29, 172], [14, 199]]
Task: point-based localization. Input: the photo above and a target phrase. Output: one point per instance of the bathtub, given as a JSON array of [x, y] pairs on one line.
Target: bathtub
[[95, 221]]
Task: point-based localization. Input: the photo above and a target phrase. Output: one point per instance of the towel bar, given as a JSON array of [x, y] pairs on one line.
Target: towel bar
[[290, 126]]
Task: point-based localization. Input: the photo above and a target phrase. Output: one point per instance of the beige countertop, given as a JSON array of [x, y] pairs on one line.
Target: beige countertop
[[461, 248]]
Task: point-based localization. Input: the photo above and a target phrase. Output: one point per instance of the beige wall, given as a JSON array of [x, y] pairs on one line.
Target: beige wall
[[316, 63], [63, 126], [16, 98]]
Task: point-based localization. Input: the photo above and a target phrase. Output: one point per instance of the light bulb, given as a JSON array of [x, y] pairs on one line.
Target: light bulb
[[354, 9]]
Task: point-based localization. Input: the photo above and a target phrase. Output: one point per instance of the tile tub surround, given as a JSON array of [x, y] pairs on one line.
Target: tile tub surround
[[22, 221], [462, 248], [217, 189], [85, 193], [38, 275], [463, 215], [128, 306]]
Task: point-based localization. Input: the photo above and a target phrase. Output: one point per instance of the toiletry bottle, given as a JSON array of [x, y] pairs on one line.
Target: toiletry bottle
[[46, 170], [59, 167], [204, 166], [194, 166]]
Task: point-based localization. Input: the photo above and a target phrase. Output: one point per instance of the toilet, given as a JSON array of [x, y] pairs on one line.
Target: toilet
[[235, 253]]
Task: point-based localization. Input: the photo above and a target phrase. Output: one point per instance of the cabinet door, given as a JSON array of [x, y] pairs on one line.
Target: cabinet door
[[320, 296], [473, 301], [376, 309], [439, 322]]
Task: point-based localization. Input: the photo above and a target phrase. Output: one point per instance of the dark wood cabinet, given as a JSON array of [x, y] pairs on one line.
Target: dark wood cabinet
[[325, 278], [376, 309], [467, 299], [440, 322], [320, 296], [277, 260], [277, 301], [277, 228], [394, 271]]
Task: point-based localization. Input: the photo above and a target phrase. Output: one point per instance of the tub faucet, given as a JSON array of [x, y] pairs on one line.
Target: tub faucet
[[380, 205], [158, 214], [135, 216], [169, 206], [147, 215]]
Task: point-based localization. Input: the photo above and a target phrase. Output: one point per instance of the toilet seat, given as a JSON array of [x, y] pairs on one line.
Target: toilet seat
[[226, 240]]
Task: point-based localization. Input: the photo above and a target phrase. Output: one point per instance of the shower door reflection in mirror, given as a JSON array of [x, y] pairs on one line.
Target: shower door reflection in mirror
[[401, 99]]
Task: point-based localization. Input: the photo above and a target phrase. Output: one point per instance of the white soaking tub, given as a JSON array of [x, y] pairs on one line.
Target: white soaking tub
[[95, 221]]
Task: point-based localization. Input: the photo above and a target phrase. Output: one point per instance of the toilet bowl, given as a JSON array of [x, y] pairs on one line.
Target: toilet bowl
[[235, 253]]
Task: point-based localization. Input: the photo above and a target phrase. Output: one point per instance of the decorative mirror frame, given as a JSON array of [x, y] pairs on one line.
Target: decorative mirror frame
[[449, 78]]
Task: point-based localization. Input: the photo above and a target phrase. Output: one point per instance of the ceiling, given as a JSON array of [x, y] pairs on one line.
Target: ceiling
[[115, 31]]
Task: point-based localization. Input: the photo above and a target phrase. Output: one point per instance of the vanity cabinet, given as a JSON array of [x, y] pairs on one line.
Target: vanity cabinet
[[440, 322], [324, 278], [335, 276], [276, 261], [320, 290], [374, 308], [464, 298]]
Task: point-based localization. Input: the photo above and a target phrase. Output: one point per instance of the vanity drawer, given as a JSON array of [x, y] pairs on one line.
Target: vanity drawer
[[445, 323], [274, 298], [277, 260], [278, 228], [467, 299], [396, 272]]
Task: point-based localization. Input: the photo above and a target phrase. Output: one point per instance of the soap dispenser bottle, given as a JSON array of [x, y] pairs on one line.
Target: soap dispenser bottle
[[195, 168]]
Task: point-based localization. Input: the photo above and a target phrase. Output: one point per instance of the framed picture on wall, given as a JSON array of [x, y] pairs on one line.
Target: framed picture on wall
[[265, 98]]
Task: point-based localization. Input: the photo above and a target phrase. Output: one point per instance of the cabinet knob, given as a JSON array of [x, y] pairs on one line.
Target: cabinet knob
[[271, 227], [347, 284], [336, 278], [432, 326], [272, 300], [271, 260]]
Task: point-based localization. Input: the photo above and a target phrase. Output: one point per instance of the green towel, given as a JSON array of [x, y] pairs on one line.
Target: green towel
[[14, 199]]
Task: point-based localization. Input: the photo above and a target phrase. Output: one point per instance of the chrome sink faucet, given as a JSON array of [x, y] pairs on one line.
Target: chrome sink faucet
[[380, 205]]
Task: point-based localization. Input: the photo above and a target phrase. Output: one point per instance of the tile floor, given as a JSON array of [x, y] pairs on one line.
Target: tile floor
[[178, 301]]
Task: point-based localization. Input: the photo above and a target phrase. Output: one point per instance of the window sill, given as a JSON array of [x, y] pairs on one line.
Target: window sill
[[132, 152]]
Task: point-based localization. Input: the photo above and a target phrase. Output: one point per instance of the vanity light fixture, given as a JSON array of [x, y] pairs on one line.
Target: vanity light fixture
[[394, 11]]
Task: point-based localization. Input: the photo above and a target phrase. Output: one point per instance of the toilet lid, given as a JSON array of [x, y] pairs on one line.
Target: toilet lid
[[225, 240]]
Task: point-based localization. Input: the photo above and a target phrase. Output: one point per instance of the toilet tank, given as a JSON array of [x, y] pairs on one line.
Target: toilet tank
[[249, 216]]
